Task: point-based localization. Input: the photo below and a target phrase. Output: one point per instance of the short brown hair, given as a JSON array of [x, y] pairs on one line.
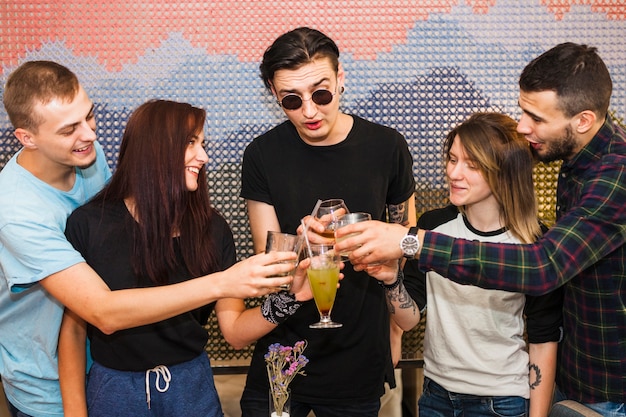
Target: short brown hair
[[36, 82]]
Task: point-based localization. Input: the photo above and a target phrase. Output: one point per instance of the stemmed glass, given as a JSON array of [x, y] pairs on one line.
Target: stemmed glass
[[323, 273], [328, 213]]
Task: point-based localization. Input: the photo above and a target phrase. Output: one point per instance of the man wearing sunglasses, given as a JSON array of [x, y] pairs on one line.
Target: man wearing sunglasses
[[319, 152]]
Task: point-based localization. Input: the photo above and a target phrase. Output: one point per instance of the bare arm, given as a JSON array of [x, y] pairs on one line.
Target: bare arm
[[402, 308], [395, 334], [542, 373], [72, 364], [81, 290], [404, 311], [241, 326], [262, 218]]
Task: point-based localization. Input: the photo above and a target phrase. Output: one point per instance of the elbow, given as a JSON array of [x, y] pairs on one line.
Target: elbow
[[105, 323], [408, 326], [106, 328], [235, 343], [407, 323], [235, 340]]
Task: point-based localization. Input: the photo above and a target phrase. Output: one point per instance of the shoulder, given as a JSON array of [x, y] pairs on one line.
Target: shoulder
[[25, 199], [375, 129], [612, 138], [271, 141], [217, 220], [220, 229], [282, 130], [99, 208], [432, 219]]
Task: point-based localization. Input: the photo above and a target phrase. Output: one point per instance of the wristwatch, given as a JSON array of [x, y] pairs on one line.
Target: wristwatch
[[410, 244]]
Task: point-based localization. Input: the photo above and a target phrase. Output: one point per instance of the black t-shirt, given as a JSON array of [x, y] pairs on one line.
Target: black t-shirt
[[102, 234], [371, 168]]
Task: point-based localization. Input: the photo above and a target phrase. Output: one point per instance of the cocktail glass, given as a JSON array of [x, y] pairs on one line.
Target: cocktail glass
[[323, 273], [328, 213]]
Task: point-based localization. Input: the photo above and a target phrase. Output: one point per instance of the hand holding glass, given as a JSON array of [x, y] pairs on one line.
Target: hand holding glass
[[328, 212], [347, 219], [283, 242], [323, 276]]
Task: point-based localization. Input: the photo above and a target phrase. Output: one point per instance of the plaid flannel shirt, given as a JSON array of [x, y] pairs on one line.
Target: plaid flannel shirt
[[584, 251]]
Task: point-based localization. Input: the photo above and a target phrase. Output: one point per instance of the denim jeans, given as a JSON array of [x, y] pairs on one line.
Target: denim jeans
[[436, 401], [256, 404], [607, 409]]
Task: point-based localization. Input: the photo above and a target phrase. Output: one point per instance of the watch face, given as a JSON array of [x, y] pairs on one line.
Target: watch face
[[409, 245]]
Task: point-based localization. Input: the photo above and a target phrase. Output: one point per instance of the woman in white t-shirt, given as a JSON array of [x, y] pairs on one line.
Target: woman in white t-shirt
[[476, 358]]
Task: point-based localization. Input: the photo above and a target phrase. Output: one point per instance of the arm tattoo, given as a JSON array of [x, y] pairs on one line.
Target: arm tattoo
[[535, 376], [401, 295], [399, 213]]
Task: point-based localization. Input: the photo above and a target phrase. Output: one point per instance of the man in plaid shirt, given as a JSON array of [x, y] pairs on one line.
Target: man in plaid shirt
[[564, 97]]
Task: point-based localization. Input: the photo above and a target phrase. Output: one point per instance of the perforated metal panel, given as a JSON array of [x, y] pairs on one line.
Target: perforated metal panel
[[420, 66]]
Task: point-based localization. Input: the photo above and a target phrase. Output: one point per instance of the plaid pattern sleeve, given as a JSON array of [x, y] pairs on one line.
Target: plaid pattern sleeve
[[584, 251]]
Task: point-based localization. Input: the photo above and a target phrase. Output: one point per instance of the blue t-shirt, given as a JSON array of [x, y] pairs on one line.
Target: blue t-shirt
[[32, 247]]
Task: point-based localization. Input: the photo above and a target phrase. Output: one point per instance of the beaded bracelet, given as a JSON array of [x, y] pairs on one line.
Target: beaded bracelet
[[396, 284], [278, 307]]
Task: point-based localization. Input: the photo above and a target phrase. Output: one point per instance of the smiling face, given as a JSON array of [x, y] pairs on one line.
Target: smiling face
[[547, 129], [195, 158], [468, 187], [316, 124], [65, 137]]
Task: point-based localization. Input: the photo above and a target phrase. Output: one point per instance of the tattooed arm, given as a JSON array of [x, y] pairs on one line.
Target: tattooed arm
[[402, 307], [403, 213], [542, 373], [403, 310]]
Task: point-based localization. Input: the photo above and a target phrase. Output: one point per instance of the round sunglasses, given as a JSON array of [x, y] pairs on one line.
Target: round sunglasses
[[320, 97]]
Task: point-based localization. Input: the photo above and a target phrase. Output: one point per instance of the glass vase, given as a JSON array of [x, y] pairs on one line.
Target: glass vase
[[280, 403]]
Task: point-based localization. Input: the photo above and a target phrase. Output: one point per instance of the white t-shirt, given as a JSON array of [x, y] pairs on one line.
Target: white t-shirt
[[474, 340]]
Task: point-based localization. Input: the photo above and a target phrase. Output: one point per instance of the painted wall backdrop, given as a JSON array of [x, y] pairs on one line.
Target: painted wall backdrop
[[420, 66]]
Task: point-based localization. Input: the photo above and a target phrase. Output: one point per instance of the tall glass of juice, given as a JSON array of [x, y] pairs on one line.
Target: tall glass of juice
[[323, 274]]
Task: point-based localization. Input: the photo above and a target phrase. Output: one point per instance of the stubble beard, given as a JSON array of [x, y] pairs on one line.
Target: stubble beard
[[559, 149]]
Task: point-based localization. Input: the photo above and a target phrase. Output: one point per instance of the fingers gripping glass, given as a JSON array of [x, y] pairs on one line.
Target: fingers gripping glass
[[320, 97]]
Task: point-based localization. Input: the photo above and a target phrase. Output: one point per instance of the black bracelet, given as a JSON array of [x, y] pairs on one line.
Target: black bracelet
[[396, 284], [278, 307]]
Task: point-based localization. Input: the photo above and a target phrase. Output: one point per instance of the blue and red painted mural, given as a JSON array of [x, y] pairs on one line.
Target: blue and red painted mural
[[420, 66]]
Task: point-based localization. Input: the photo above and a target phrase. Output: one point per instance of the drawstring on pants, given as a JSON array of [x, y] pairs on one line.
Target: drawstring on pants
[[160, 370]]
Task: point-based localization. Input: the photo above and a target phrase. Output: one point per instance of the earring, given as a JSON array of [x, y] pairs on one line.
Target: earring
[[342, 90]]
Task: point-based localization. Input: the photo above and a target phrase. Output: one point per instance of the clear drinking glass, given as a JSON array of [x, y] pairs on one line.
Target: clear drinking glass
[[328, 212], [283, 242], [347, 219], [323, 274]]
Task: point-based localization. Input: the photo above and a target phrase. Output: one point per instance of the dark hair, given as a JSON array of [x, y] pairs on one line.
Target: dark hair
[[576, 73], [503, 157], [293, 49], [151, 172], [36, 82]]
